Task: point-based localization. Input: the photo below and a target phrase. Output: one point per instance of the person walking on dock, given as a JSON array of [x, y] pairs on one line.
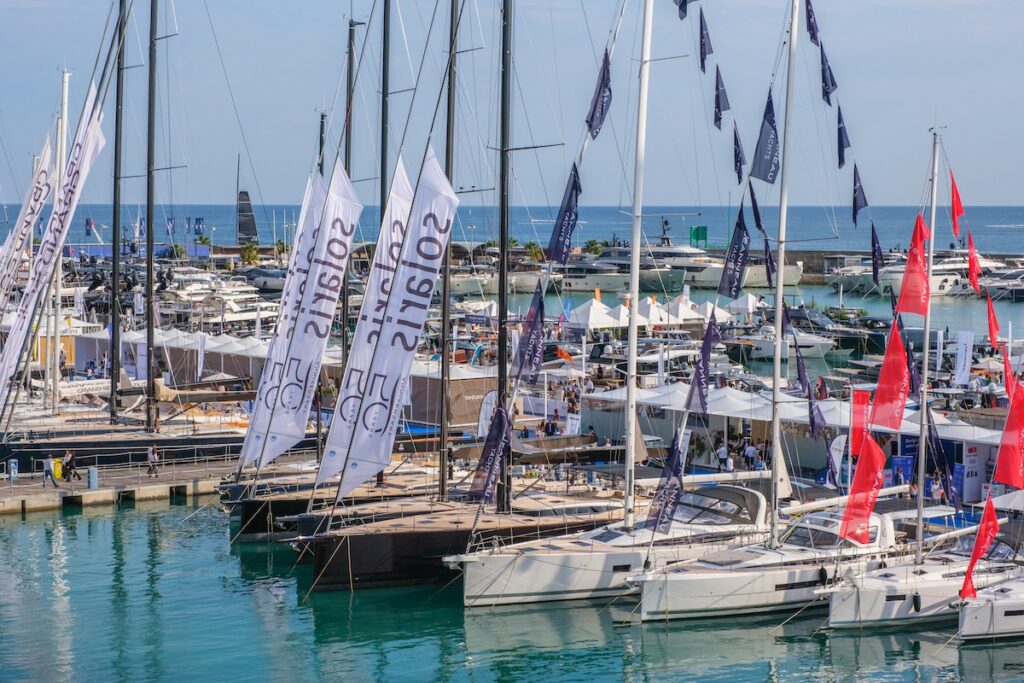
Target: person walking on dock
[[48, 472], [153, 459], [70, 469]]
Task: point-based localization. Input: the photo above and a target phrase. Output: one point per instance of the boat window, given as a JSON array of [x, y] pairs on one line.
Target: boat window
[[810, 537], [607, 535]]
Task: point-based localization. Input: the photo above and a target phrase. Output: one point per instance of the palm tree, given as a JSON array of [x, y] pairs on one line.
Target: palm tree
[[179, 252], [534, 251], [593, 247], [281, 248], [204, 239], [249, 254]]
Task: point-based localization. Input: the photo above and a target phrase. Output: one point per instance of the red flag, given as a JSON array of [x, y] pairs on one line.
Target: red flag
[[993, 323], [987, 531], [973, 264], [867, 482], [893, 384], [956, 206], [915, 288], [1009, 379], [1010, 459], [861, 406], [563, 354]]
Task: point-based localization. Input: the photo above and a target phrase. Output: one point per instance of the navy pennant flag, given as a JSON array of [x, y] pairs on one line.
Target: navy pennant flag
[[530, 351], [721, 98], [912, 369], [769, 263], [766, 155], [666, 497], [860, 200], [812, 24], [739, 160], [702, 373], [681, 4], [801, 369], [705, 42], [493, 457], [815, 418], [736, 259], [785, 320], [828, 79], [565, 222], [842, 139], [200, 224], [876, 255], [602, 99], [757, 211]]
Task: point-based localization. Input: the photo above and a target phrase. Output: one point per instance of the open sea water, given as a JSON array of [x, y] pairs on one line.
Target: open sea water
[[156, 592]]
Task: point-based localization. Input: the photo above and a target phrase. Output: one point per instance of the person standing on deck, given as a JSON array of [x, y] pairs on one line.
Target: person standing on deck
[[48, 472], [153, 459], [70, 468]]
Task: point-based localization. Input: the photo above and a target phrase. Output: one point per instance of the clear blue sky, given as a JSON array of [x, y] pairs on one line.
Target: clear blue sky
[[902, 65]]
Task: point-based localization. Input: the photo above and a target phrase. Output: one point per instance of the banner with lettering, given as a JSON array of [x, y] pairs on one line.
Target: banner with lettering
[[18, 238]]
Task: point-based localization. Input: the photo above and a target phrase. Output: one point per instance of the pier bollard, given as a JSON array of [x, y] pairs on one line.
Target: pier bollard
[[94, 478]]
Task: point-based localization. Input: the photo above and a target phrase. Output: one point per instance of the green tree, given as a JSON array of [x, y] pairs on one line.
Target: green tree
[[534, 251], [249, 254], [179, 252], [513, 242], [281, 248], [204, 239], [593, 247]]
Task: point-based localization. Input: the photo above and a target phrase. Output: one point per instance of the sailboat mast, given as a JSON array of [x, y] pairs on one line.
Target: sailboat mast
[[634, 260], [115, 258], [150, 225], [446, 309], [385, 99], [504, 498], [350, 79], [58, 272], [777, 454], [923, 415]]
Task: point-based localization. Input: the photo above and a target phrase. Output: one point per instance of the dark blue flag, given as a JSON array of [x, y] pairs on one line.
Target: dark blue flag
[[912, 369], [493, 457], [565, 223], [786, 324], [828, 79], [530, 352], [739, 160], [170, 227], [801, 369], [602, 99], [812, 24], [681, 4], [842, 139], [142, 226], [769, 263], [876, 255], [721, 98], [766, 155], [757, 211], [666, 497], [860, 200], [200, 226], [702, 373], [89, 227], [736, 259], [815, 419], [705, 42]]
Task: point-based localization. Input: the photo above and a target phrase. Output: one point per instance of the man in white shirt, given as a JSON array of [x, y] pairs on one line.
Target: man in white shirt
[[723, 455], [750, 455]]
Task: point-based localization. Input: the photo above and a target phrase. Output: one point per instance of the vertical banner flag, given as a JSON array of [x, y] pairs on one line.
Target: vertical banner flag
[[964, 348], [739, 160], [565, 223], [860, 402], [201, 357], [956, 207], [601, 102], [702, 373], [769, 263], [493, 457], [292, 369], [893, 384], [1009, 378], [915, 289], [681, 4], [530, 351], [860, 200], [87, 144], [766, 155], [90, 226], [705, 42], [372, 420], [200, 226], [987, 531], [170, 228], [939, 344], [486, 414], [812, 24], [721, 98], [386, 258], [756, 210], [736, 259], [842, 138], [912, 371], [993, 323], [828, 79], [973, 264], [666, 497], [867, 482], [1010, 459], [18, 238], [876, 255]]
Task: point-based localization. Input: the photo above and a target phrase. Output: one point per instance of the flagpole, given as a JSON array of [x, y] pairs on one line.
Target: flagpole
[[777, 455], [923, 415]]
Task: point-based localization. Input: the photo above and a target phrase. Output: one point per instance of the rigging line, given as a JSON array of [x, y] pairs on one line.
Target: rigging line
[[416, 88], [830, 212], [707, 127], [7, 159], [405, 39]]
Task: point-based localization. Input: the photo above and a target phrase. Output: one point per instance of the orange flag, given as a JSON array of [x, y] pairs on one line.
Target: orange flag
[[563, 354]]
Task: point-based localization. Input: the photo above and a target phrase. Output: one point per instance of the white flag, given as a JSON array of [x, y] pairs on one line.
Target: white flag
[[378, 406], [88, 143], [964, 349], [201, 357], [290, 376], [79, 302], [19, 237], [378, 285]]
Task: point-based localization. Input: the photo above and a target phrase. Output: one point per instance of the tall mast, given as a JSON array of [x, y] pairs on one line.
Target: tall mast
[[446, 310], [924, 416], [350, 80], [150, 226], [777, 455], [58, 272], [504, 491], [319, 377], [385, 98], [115, 259], [634, 259]]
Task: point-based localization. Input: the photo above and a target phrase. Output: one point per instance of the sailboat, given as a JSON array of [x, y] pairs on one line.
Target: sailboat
[[245, 219]]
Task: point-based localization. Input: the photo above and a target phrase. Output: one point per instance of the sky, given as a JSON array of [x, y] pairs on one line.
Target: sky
[[902, 66]]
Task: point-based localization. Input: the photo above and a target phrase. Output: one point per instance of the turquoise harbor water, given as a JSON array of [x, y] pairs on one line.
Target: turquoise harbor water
[[156, 593]]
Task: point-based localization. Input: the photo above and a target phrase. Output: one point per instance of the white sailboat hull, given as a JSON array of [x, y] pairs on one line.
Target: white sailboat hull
[[474, 284], [997, 612], [526, 282]]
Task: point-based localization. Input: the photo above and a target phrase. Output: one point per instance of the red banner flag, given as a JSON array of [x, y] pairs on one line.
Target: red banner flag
[[915, 288], [893, 384], [993, 323], [867, 482], [973, 264], [1010, 459], [955, 205], [1009, 378], [861, 407], [987, 531]]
